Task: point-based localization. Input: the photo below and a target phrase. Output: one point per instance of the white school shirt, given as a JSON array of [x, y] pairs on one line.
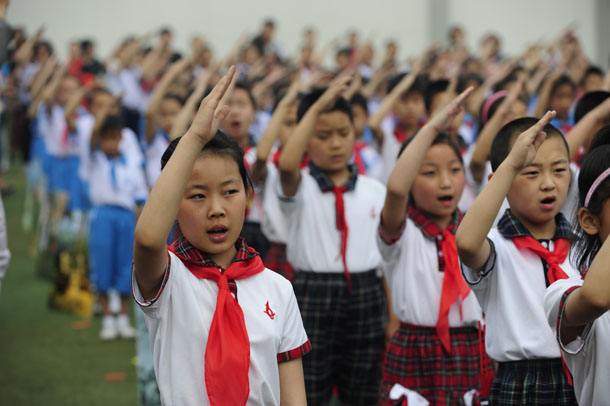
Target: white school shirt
[[255, 212], [179, 321], [154, 151], [588, 356], [128, 190], [134, 97], [511, 293], [389, 148], [411, 267], [274, 223], [313, 239], [52, 127]]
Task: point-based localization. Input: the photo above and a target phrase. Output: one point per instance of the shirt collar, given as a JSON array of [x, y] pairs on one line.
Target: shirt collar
[[510, 227], [324, 182]]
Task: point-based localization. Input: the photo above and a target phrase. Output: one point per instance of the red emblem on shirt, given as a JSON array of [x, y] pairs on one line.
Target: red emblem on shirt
[[268, 311]]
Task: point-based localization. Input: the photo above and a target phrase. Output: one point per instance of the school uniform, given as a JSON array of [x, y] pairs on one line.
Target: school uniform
[[511, 290], [153, 152], [116, 186], [331, 233], [62, 148], [273, 224], [251, 230], [588, 355], [185, 341], [368, 160], [392, 141], [440, 363]]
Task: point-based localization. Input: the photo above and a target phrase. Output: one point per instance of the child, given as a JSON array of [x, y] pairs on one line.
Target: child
[[577, 309], [510, 266], [437, 350], [117, 189], [558, 93], [332, 214], [208, 298]]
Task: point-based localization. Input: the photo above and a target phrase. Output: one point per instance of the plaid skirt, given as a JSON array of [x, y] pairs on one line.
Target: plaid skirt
[[416, 360], [532, 382], [277, 261], [255, 238], [346, 330]]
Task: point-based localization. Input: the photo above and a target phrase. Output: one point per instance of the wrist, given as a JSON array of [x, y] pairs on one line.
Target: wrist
[[195, 140], [508, 168]]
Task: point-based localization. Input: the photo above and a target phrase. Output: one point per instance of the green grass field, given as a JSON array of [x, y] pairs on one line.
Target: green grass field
[[44, 359]]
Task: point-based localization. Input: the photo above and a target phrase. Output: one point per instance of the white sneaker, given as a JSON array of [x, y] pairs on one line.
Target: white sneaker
[[109, 329], [124, 327]]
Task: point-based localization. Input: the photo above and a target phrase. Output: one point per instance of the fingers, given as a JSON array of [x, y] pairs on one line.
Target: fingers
[[548, 116], [219, 91], [463, 96], [228, 91]]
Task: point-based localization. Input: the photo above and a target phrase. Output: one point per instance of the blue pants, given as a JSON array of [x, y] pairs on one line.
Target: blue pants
[[111, 231], [64, 178]]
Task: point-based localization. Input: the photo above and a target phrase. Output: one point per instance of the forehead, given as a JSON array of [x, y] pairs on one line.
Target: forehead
[[333, 120], [241, 95], [213, 168], [441, 154], [551, 150]]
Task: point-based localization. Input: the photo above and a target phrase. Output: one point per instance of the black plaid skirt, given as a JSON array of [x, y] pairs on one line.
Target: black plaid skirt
[[416, 359], [532, 382], [346, 330], [255, 238]]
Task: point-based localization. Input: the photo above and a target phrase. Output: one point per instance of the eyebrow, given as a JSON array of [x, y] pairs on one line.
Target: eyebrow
[[557, 162], [222, 184]]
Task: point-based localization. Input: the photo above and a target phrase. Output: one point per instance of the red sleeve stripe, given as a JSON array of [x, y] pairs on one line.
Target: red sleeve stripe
[[295, 353]]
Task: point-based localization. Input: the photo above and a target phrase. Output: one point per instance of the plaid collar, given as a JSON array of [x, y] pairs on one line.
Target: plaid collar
[[510, 227], [326, 185], [192, 255], [428, 227]]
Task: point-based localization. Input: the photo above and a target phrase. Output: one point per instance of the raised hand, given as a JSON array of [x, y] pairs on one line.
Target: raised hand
[[526, 145], [442, 120], [213, 108], [334, 91]]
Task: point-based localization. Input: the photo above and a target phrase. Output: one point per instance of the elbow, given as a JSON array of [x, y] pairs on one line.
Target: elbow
[[466, 247]]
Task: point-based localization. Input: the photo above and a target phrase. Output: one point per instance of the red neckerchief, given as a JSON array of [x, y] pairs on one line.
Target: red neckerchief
[[454, 287], [400, 134], [227, 353], [326, 185], [358, 159], [553, 259]]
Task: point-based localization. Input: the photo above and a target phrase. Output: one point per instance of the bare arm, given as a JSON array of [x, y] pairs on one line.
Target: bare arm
[[293, 151], [187, 111], [25, 51], [407, 167], [545, 95], [292, 383], [263, 149], [159, 213], [157, 95], [584, 131], [475, 102], [473, 247], [48, 92]]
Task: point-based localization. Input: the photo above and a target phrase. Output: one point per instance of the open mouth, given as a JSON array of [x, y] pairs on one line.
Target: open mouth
[[446, 198], [217, 230], [218, 233], [548, 200]]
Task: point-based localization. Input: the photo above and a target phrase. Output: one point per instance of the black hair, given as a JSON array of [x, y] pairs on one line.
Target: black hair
[[43, 44], [433, 89], [588, 102], [464, 80], [358, 99], [504, 140], [562, 81], [111, 125], [440, 139], [341, 104], [586, 246], [245, 86], [418, 86], [591, 70], [602, 137], [165, 30], [86, 45], [512, 77], [174, 97], [220, 144], [343, 52]]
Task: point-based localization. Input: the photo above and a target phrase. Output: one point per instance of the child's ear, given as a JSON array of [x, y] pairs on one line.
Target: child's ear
[[588, 221]]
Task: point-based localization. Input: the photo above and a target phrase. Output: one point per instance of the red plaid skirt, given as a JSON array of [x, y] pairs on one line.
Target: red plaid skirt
[[415, 359], [277, 261]]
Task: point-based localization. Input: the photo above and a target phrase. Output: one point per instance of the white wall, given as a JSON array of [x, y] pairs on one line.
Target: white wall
[[107, 21]]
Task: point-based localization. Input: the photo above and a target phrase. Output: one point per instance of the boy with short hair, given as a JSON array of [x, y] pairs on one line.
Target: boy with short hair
[[510, 266], [332, 215]]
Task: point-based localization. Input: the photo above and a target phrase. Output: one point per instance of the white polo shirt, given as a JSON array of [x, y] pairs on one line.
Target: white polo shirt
[[588, 356], [153, 152], [511, 293], [255, 212], [412, 270], [389, 148], [179, 321], [52, 127], [128, 187], [274, 223], [313, 239]]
